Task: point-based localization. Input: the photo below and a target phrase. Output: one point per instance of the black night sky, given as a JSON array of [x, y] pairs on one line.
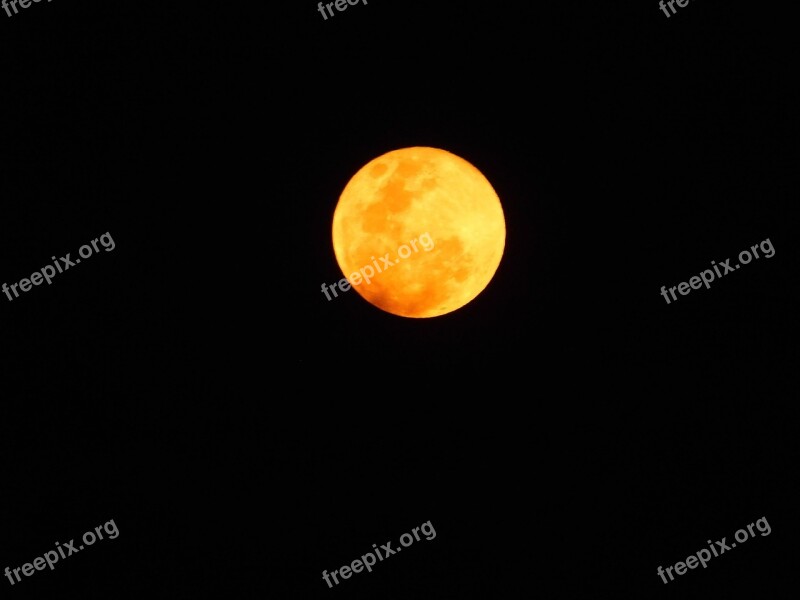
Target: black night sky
[[566, 433]]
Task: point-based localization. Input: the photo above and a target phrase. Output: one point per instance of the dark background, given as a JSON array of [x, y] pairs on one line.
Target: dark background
[[567, 432]]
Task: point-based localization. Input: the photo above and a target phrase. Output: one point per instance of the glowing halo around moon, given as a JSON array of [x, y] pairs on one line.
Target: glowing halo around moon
[[401, 196]]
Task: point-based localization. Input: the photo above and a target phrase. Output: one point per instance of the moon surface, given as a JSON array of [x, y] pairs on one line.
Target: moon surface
[[427, 225]]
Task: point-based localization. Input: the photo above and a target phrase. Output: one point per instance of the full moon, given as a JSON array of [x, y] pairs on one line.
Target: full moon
[[418, 232]]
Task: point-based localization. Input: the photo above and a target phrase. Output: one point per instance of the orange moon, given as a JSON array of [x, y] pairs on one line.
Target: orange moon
[[427, 224]]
